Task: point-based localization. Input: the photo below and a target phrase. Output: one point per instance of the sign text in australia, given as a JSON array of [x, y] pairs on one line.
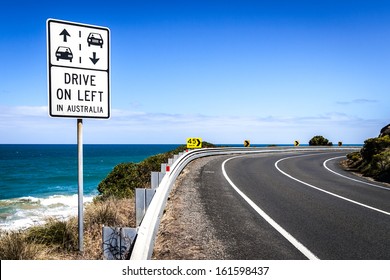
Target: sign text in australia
[[78, 70]]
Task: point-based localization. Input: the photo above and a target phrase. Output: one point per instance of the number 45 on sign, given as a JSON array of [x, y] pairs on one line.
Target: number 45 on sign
[[193, 143]]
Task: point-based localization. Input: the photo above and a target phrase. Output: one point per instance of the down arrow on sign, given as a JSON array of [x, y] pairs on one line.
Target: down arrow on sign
[[93, 58]]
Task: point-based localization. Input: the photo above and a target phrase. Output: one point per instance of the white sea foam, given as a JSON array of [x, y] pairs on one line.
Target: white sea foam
[[19, 213]]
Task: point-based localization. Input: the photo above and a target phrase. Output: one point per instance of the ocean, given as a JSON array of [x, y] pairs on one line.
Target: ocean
[[37, 181]]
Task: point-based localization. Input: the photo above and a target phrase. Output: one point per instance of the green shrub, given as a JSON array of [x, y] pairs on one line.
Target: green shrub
[[59, 233], [373, 159], [355, 156], [319, 141], [381, 162], [122, 181], [374, 146]]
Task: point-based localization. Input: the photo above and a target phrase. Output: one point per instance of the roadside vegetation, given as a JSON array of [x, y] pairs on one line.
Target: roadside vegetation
[[373, 159], [57, 239], [319, 141], [126, 177]]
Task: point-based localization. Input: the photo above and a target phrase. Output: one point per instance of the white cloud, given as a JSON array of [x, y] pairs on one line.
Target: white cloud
[[357, 101], [31, 124]]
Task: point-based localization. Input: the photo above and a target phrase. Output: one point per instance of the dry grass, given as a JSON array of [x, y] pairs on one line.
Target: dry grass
[[15, 246], [58, 239]]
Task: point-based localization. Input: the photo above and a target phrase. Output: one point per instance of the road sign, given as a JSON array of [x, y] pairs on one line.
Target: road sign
[[78, 58], [193, 143], [296, 143], [247, 143]]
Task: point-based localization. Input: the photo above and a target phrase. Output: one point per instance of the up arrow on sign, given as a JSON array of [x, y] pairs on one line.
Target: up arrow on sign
[[64, 33]]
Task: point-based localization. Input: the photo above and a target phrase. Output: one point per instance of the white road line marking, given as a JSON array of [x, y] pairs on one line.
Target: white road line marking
[[349, 178], [327, 192], [275, 225]]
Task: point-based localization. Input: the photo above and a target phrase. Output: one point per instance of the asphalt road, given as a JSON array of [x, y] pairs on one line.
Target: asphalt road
[[294, 206]]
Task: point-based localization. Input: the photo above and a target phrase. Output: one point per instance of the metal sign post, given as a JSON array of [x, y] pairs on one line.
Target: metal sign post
[[80, 172], [78, 57]]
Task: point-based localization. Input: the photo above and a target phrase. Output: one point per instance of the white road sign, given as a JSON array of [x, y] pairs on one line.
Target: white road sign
[[78, 70]]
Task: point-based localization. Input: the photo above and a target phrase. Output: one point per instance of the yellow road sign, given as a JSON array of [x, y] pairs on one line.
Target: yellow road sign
[[247, 143], [193, 143], [296, 143]]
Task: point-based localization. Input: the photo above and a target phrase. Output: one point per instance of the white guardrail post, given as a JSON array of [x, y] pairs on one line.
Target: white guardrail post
[[147, 231]]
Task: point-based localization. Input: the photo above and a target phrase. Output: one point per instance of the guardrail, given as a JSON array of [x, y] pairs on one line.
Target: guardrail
[[147, 231]]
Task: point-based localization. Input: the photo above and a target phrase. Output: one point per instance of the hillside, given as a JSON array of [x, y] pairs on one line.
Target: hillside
[[122, 181], [373, 160]]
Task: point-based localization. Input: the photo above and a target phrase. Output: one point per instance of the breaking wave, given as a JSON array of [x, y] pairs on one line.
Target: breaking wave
[[23, 212]]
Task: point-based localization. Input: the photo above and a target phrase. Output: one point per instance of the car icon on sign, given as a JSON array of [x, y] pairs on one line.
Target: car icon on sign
[[64, 53], [95, 39]]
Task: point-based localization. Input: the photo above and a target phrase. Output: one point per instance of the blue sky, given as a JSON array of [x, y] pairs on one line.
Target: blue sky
[[226, 71]]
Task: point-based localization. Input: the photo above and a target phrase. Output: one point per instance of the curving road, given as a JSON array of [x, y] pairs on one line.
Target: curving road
[[299, 205]]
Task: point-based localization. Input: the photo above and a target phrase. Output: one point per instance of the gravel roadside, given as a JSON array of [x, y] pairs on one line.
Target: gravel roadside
[[185, 232]]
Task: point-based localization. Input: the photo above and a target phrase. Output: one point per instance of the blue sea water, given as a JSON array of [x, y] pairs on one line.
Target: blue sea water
[[37, 181], [41, 180]]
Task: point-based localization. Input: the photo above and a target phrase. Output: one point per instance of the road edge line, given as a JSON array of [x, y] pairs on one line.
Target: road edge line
[[349, 178], [327, 192], [266, 217]]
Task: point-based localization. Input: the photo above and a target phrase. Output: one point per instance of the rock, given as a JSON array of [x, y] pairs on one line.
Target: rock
[[385, 131]]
